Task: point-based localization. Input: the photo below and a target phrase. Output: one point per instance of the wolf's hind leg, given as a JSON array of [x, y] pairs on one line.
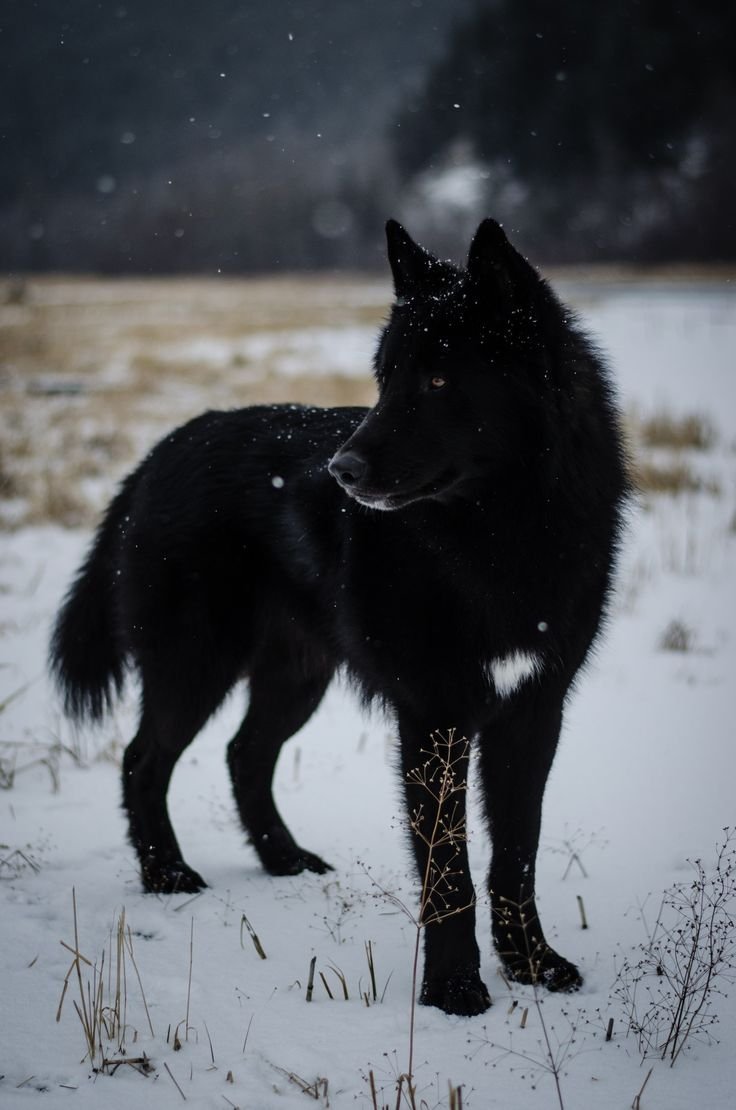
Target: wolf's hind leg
[[283, 696], [147, 767]]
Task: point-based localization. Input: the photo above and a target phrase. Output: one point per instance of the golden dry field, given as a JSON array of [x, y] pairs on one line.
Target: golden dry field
[[94, 371]]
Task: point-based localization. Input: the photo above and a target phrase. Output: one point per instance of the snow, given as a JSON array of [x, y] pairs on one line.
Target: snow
[[287, 353], [643, 782], [688, 331]]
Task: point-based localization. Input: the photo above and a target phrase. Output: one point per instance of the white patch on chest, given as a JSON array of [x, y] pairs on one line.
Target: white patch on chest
[[509, 672]]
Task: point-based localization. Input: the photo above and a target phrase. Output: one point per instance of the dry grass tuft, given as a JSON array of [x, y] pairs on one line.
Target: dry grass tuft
[[52, 499], [8, 480], [692, 432], [660, 453], [677, 637], [673, 477], [102, 998], [14, 291]]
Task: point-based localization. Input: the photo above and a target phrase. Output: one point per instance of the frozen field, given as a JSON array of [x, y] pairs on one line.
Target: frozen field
[[91, 374]]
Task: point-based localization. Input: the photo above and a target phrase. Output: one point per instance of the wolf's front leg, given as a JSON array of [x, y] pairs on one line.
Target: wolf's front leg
[[515, 758], [435, 767]]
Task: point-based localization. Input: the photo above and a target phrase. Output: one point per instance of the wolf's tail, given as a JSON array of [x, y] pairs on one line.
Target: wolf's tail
[[87, 656]]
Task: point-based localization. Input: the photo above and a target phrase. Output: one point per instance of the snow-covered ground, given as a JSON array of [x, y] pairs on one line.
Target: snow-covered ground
[[643, 782]]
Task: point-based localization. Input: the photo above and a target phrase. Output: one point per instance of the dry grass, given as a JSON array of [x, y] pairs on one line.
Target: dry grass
[[665, 453], [691, 432], [92, 372], [101, 1003], [677, 636], [673, 477]]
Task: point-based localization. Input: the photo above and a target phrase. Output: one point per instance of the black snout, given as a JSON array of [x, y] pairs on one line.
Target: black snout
[[349, 468]]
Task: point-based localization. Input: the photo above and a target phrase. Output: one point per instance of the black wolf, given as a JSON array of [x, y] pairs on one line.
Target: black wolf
[[451, 549]]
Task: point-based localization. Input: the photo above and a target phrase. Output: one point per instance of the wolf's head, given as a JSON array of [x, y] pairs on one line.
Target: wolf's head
[[466, 373]]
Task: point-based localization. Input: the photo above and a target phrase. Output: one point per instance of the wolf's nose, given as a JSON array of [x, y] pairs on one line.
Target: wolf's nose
[[348, 468]]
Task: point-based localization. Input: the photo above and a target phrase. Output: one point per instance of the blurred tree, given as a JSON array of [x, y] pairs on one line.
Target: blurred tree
[[168, 134], [625, 104], [174, 135]]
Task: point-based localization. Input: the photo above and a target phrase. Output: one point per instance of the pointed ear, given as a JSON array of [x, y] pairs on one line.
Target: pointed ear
[[410, 264], [494, 263]]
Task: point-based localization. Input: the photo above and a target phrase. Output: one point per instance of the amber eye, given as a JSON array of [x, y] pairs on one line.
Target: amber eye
[[437, 382]]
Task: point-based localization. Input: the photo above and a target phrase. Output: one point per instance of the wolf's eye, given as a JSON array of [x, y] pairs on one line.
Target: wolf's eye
[[437, 382]]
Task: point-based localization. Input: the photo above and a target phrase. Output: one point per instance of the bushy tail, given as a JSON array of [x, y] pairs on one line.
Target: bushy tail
[[86, 656]]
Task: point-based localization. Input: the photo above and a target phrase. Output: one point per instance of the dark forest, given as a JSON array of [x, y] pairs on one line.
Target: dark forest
[[172, 136]]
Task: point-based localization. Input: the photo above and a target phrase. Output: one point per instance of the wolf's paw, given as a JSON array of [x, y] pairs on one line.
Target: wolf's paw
[[293, 863], [549, 970], [463, 993], [172, 877]]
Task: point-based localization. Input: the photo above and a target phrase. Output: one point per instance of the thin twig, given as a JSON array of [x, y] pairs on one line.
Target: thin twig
[[581, 907], [636, 1104], [247, 1033], [371, 968], [189, 981], [140, 984], [310, 979], [174, 1081], [253, 936]]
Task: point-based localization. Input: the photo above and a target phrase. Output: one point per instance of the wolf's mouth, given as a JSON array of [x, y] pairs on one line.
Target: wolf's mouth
[[381, 501], [387, 502]]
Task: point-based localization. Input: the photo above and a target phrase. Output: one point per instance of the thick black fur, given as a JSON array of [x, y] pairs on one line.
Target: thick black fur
[[470, 516]]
